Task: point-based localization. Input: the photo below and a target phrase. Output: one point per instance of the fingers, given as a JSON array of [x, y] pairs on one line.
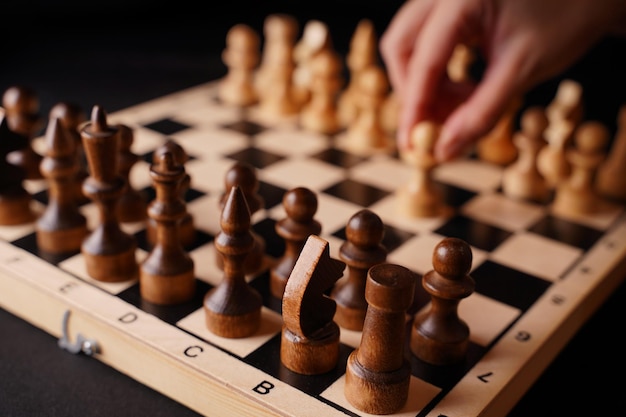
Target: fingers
[[427, 66], [502, 83], [396, 43]]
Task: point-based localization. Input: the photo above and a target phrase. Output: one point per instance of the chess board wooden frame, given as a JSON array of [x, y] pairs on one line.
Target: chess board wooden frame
[[213, 381]]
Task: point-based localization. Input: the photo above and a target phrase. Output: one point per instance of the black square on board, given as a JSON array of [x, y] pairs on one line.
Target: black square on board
[[339, 158], [29, 244], [256, 157], [272, 194], [508, 285], [169, 313], [562, 230], [455, 196], [392, 238], [267, 359], [356, 192], [245, 127], [476, 233], [167, 127], [274, 244]]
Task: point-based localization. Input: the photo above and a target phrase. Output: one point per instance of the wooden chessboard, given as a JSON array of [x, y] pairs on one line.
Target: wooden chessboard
[[538, 276]]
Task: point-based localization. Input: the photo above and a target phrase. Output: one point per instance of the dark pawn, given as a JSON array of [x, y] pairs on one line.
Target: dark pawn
[[244, 176], [300, 205], [439, 336], [361, 250], [15, 201], [187, 230], [21, 109], [61, 228], [166, 276], [133, 204]]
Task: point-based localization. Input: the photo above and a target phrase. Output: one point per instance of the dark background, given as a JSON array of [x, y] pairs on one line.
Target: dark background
[[121, 53]]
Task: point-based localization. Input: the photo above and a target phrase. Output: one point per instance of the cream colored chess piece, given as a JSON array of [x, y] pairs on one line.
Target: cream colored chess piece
[[577, 196], [420, 197], [241, 56], [522, 180]]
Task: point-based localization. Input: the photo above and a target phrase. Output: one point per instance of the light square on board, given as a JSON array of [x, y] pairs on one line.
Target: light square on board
[[210, 142], [498, 210], [302, 172], [76, 265], [382, 171], [420, 394], [542, 257], [470, 174], [291, 142], [271, 324]]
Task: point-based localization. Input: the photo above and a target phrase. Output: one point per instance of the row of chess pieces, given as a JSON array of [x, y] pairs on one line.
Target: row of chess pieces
[[283, 76], [554, 156], [317, 298]]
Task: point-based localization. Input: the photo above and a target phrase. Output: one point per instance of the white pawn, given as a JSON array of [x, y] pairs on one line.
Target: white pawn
[[420, 197], [611, 178], [522, 180], [577, 195], [551, 160], [280, 31], [363, 53], [241, 56], [366, 134], [320, 113]]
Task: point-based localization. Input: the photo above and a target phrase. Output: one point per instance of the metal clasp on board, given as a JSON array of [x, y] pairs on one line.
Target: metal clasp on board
[[81, 344]]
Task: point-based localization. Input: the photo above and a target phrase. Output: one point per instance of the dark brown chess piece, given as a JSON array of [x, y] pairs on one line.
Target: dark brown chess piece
[[310, 337], [233, 308], [109, 252], [378, 372], [71, 116], [132, 204], [300, 205], [439, 336], [187, 230], [361, 250], [15, 200], [244, 176], [21, 109], [166, 276], [62, 227]]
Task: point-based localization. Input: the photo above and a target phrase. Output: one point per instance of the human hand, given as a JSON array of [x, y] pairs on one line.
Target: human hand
[[522, 42]]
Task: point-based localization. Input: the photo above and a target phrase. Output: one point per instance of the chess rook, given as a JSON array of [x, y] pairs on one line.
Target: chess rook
[[300, 205], [378, 372], [109, 252], [439, 336], [61, 228], [167, 275], [233, 308], [361, 251]]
